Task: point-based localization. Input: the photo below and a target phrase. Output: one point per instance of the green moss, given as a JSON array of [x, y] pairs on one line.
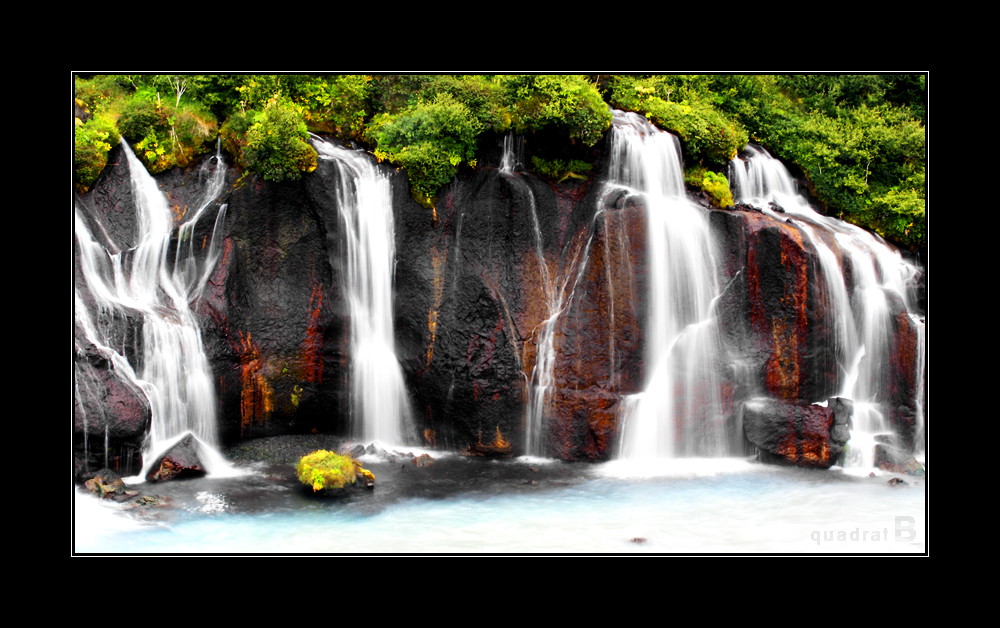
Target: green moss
[[712, 183], [326, 470]]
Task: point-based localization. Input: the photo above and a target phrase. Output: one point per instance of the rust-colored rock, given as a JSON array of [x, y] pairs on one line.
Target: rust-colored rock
[[793, 433]]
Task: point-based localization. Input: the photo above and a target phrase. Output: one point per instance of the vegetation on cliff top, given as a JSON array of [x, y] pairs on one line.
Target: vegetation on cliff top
[[857, 140]]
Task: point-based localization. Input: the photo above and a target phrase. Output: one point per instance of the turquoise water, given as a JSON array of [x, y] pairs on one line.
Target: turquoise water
[[697, 506]]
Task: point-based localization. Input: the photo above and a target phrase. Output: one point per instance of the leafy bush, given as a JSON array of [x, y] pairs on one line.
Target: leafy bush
[[429, 140], [345, 105], [483, 97], [100, 92], [683, 106], [91, 142], [275, 143], [163, 134], [560, 169], [569, 103]]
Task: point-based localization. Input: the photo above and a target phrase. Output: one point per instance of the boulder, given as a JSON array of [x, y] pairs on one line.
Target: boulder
[[107, 484], [894, 460], [793, 433], [182, 460], [327, 472]]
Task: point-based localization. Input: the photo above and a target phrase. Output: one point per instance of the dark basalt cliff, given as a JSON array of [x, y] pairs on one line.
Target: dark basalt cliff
[[470, 302]]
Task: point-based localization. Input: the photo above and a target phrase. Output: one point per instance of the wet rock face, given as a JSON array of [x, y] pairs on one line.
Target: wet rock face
[[112, 216], [111, 415], [476, 278], [274, 321], [470, 292], [771, 312]]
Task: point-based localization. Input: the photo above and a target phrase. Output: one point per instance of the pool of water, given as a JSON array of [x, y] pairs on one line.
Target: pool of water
[[522, 506]]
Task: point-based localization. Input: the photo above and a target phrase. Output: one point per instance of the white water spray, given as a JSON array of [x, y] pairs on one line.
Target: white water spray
[[863, 319], [174, 371], [381, 409], [679, 413]]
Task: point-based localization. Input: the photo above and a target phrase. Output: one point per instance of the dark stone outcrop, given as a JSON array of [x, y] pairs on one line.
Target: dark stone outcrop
[[778, 333], [184, 459], [793, 433], [107, 406]]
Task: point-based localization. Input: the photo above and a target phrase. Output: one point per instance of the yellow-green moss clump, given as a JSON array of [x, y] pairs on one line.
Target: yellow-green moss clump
[[713, 184], [327, 470]]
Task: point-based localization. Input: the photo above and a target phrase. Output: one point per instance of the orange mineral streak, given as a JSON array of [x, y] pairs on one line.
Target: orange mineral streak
[[312, 347], [787, 326], [437, 294], [809, 450], [256, 395]]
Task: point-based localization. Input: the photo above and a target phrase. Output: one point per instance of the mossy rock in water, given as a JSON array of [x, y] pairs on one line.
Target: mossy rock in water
[[329, 472]]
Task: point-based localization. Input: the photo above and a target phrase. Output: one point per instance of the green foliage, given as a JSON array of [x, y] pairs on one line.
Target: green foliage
[[483, 97], [712, 183], [275, 143], [569, 104], [100, 93], [859, 140], [686, 107], [163, 134], [326, 470], [429, 140], [560, 169], [91, 142], [344, 105]]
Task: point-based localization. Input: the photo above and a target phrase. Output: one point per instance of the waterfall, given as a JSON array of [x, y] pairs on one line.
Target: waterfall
[[540, 383], [173, 370], [380, 407], [679, 412], [864, 324]]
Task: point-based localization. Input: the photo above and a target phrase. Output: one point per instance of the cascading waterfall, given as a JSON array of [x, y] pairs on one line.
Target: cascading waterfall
[[174, 371], [863, 318], [540, 384], [679, 413], [380, 407]]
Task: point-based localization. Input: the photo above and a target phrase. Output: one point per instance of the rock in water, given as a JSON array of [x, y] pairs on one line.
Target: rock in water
[[891, 459], [794, 433], [184, 459]]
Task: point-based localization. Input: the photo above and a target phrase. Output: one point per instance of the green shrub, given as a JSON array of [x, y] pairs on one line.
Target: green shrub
[[91, 142], [683, 105], [100, 92], [344, 106], [569, 103], [275, 143], [165, 135], [429, 140], [141, 117]]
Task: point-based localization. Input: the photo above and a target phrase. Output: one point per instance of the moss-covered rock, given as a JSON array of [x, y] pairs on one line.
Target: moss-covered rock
[[328, 471]]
